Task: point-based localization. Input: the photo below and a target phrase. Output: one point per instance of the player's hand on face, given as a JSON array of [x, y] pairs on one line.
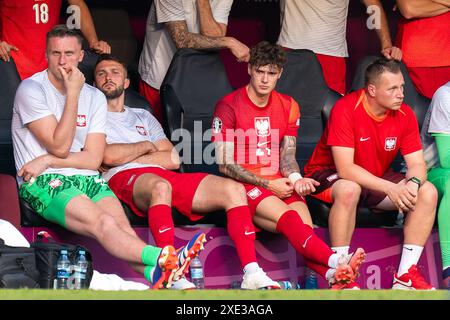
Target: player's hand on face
[[305, 186], [281, 187], [100, 47], [73, 79], [34, 168], [5, 51]]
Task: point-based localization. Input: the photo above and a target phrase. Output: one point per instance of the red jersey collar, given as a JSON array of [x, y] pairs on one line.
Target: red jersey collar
[[250, 102]]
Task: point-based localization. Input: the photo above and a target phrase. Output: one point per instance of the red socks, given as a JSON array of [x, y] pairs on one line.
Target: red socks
[[161, 226], [303, 239], [242, 231]]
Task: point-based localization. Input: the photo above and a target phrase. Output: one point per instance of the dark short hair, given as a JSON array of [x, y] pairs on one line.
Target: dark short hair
[[378, 67], [61, 31], [266, 53], [110, 57]]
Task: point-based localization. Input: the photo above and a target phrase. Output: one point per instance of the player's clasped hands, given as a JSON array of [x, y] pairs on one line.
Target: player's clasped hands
[[403, 197], [305, 186], [281, 187]]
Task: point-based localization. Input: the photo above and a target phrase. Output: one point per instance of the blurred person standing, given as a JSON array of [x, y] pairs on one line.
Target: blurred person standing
[[24, 24]]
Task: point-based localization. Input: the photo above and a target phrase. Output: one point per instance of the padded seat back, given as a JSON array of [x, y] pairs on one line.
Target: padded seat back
[[303, 80], [194, 83], [9, 81], [114, 27]]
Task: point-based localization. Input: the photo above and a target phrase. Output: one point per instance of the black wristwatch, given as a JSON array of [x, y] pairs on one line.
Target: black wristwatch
[[415, 180]]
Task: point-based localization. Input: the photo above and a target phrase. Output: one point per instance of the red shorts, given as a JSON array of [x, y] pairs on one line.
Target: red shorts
[[428, 80], [153, 97], [257, 194], [369, 198], [183, 186], [334, 72]]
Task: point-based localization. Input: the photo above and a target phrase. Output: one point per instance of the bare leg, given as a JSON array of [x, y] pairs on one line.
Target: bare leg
[[214, 193], [303, 211], [113, 207], [342, 217], [268, 212], [150, 189], [87, 218], [418, 223]]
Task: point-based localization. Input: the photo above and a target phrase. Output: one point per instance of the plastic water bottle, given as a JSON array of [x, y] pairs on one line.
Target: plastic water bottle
[[197, 276], [310, 279], [236, 285], [285, 285], [62, 270], [81, 266], [288, 285]]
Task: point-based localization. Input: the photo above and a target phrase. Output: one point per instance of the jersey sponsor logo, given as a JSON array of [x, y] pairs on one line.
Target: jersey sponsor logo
[[364, 139], [247, 233], [333, 177], [262, 126], [390, 143], [297, 123], [254, 193], [260, 144], [217, 125], [81, 120], [55, 183], [141, 130]]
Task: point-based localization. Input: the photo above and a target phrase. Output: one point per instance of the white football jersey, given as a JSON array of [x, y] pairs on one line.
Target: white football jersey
[[36, 98], [131, 126]]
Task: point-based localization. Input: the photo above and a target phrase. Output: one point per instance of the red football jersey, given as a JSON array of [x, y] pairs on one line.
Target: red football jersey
[[256, 132], [425, 42], [24, 24], [376, 140]]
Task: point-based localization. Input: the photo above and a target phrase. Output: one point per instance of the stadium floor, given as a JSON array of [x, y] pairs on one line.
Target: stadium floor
[[35, 294]]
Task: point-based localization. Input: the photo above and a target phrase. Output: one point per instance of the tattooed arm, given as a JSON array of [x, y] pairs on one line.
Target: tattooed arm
[[288, 163], [282, 187], [289, 167], [225, 160], [184, 39]]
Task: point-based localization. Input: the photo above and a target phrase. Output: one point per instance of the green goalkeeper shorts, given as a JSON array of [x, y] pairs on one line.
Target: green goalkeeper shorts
[[49, 194]]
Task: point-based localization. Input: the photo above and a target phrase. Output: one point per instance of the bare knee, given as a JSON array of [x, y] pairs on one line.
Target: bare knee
[[428, 193], [104, 224], [161, 190], [347, 193], [234, 193]]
